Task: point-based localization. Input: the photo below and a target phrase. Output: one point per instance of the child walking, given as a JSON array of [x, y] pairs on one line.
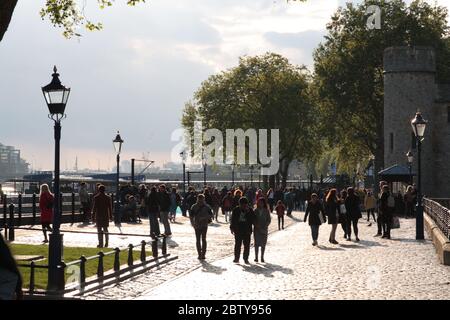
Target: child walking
[[280, 209]]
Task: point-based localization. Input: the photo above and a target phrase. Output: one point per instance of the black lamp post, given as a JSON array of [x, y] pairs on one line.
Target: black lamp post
[[251, 175], [117, 142], [418, 125], [183, 159], [56, 96], [204, 168], [410, 157], [233, 165]]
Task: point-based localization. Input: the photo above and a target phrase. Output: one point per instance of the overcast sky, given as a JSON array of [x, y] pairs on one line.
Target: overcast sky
[[137, 73]]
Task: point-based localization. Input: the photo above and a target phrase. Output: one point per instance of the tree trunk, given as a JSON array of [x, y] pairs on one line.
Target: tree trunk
[[6, 11]]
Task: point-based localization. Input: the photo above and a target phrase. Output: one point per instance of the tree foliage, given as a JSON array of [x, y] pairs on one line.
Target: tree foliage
[[262, 92], [348, 78], [66, 14]]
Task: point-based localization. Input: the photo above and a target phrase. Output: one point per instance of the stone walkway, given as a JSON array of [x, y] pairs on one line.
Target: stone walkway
[[374, 268]]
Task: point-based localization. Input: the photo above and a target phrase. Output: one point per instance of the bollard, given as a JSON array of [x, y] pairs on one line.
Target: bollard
[[164, 246], [155, 248], [143, 258], [82, 271], [11, 222], [73, 207], [117, 260], [19, 201], [130, 255], [32, 269], [34, 209], [100, 269]]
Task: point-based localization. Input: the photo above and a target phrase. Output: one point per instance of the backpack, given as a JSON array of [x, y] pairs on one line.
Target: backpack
[[391, 201], [202, 217]]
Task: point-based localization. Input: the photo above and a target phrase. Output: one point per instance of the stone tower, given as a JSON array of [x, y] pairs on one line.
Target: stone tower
[[410, 86]]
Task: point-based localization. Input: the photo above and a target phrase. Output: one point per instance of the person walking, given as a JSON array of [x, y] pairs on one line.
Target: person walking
[[379, 211], [101, 215], [227, 205], [261, 228], [370, 202], [46, 203], [343, 212], [315, 211], [174, 202], [409, 202], [201, 215], [387, 208], [242, 221], [271, 199], [289, 201], [352, 205], [280, 209], [164, 207], [216, 200], [333, 213], [83, 194], [152, 206], [190, 199], [10, 277]]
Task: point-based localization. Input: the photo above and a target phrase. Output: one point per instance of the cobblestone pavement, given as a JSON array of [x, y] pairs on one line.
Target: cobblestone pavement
[[182, 244], [374, 268]]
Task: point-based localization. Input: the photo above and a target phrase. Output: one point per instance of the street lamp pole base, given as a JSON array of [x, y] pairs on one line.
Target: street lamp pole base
[[419, 223], [55, 271]]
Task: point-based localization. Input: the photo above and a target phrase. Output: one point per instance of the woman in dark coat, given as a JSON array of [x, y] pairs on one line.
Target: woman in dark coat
[[352, 205], [332, 209], [316, 216], [261, 228], [46, 200], [152, 204]]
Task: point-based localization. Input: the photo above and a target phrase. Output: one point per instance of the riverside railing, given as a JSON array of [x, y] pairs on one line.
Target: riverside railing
[[102, 275], [440, 213]]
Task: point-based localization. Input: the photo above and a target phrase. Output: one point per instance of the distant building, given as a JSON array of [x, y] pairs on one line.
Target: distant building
[[410, 85], [11, 164]]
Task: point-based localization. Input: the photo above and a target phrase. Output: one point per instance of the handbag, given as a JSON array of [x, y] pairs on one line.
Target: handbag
[[395, 223]]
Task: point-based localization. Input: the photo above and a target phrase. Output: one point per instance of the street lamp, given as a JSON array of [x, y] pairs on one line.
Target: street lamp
[[117, 142], [418, 125], [183, 159], [56, 96], [251, 175], [204, 167], [410, 157]]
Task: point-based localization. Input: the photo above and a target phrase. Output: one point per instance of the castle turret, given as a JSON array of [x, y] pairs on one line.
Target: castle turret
[[409, 86]]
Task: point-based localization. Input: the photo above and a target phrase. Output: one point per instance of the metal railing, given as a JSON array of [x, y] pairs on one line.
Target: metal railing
[[439, 213], [101, 274]]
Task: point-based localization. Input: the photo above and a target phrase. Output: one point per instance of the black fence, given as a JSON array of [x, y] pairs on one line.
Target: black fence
[[102, 276], [438, 210]]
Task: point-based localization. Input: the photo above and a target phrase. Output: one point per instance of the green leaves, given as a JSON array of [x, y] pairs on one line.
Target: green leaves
[[348, 79], [67, 15]]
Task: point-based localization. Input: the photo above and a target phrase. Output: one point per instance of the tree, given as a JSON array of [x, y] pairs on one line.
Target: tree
[[262, 92], [348, 78], [61, 13]]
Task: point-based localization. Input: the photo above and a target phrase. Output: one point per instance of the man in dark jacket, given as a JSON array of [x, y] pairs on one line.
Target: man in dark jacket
[[200, 215], [242, 221], [164, 206], [10, 279], [190, 199], [387, 208], [102, 214]]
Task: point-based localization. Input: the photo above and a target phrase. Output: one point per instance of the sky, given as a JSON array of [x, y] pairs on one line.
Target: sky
[[136, 74]]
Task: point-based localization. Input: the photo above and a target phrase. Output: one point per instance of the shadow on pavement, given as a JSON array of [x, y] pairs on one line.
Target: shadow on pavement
[[329, 248], [266, 269], [171, 243], [410, 240], [209, 268]]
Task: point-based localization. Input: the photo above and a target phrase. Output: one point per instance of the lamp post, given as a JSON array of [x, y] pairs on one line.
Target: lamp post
[[56, 96], [204, 167], [251, 175], [183, 159], [410, 157], [117, 142], [418, 125]]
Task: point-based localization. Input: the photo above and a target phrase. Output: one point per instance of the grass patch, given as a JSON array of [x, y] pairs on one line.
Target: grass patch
[[70, 254]]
